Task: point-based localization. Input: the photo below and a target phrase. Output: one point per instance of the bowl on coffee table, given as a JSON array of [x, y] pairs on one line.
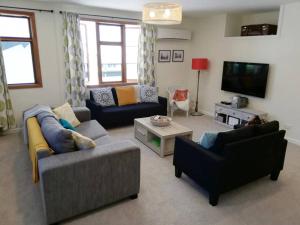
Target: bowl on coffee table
[[160, 121]]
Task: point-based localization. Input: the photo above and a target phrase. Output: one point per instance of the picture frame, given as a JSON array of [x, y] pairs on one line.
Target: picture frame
[[178, 56], [164, 56]]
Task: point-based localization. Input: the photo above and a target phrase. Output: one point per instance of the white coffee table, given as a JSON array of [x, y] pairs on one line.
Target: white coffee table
[[160, 139]]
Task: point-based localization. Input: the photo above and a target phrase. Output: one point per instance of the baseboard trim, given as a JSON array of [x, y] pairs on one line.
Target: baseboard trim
[[207, 113], [293, 141], [11, 131]]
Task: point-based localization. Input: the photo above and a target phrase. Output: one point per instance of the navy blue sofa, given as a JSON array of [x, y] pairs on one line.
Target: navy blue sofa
[[113, 116]]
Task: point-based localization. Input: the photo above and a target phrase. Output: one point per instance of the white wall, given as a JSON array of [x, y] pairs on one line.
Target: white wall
[[281, 52], [174, 73]]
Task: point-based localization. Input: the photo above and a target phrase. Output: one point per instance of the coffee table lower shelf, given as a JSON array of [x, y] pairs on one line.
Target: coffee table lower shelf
[[162, 145]]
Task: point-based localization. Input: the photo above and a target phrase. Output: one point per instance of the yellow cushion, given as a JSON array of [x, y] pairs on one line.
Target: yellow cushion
[[126, 95], [66, 112], [83, 142], [36, 142]]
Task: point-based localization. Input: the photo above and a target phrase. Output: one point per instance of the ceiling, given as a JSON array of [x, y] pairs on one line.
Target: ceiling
[[193, 8]]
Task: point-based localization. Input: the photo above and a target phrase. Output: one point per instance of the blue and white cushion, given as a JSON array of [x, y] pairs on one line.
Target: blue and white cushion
[[148, 94], [103, 96]]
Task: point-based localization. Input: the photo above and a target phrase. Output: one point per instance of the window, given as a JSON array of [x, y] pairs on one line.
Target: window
[[110, 52], [20, 49]]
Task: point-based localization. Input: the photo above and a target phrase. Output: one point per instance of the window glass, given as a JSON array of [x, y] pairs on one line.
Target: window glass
[[110, 33], [14, 27], [111, 63], [18, 62], [110, 43], [89, 42]]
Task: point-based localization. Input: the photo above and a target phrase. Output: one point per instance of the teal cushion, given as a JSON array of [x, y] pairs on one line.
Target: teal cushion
[[207, 140], [66, 124]]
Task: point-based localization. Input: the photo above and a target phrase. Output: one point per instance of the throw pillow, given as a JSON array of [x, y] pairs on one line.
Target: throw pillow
[[126, 95], [148, 94], [59, 139], [137, 93], [103, 96], [66, 112], [83, 142], [66, 124], [207, 140], [180, 95]]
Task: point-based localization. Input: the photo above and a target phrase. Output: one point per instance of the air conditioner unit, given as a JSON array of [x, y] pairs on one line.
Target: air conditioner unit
[[165, 33]]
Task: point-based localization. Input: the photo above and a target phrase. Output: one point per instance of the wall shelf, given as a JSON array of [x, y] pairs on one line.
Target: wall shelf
[[235, 21]]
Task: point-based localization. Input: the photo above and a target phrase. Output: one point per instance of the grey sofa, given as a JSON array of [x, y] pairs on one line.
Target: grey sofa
[[80, 181]]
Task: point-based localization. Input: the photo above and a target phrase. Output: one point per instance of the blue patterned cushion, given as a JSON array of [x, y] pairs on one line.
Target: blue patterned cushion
[[103, 96], [207, 140], [148, 94]]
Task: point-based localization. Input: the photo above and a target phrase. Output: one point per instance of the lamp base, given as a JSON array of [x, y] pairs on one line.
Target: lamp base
[[197, 114]]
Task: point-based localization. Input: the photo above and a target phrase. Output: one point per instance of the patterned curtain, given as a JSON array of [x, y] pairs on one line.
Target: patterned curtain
[[146, 55], [74, 68], [7, 118]]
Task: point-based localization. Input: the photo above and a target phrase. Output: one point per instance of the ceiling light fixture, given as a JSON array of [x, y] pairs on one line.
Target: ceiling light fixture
[[162, 13]]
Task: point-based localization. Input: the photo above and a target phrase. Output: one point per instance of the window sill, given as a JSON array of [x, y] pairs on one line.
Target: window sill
[[24, 86], [112, 85]]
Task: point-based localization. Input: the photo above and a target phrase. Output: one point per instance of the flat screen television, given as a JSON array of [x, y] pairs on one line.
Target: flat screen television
[[245, 78]]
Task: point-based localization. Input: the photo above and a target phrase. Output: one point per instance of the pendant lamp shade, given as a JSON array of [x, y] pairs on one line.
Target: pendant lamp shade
[[162, 13]]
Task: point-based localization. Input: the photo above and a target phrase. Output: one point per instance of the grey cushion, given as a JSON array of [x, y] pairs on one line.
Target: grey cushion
[[59, 138], [148, 94], [103, 96], [91, 129], [106, 139]]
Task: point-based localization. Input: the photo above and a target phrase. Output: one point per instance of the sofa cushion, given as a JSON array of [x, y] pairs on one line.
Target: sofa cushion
[[66, 112], [135, 108], [106, 139], [59, 138], [148, 94], [82, 142], [267, 128], [224, 138], [91, 129], [126, 95], [66, 124], [103, 96], [207, 139]]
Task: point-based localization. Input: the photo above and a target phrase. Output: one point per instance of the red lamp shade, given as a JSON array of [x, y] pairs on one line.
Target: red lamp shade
[[200, 64]]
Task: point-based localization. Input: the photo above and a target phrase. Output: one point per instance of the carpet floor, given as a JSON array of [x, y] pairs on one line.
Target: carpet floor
[[163, 199]]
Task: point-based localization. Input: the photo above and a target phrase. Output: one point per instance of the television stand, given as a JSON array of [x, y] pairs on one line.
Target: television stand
[[229, 116]]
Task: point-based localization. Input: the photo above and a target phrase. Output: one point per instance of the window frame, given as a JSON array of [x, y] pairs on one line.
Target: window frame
[[34, 47], [122, 43]]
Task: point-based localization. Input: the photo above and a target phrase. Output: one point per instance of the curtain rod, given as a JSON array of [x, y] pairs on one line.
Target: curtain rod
[[32, 9], [110, 17]]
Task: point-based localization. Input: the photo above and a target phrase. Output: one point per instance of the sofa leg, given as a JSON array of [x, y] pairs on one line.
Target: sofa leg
[[274, 175], [213, 199], [178, 172], [134, 196]]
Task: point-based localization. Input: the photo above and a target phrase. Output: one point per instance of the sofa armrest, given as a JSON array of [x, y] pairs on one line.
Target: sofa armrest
[[82, 113], [191, 157], [76, 182], [164, 103]]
